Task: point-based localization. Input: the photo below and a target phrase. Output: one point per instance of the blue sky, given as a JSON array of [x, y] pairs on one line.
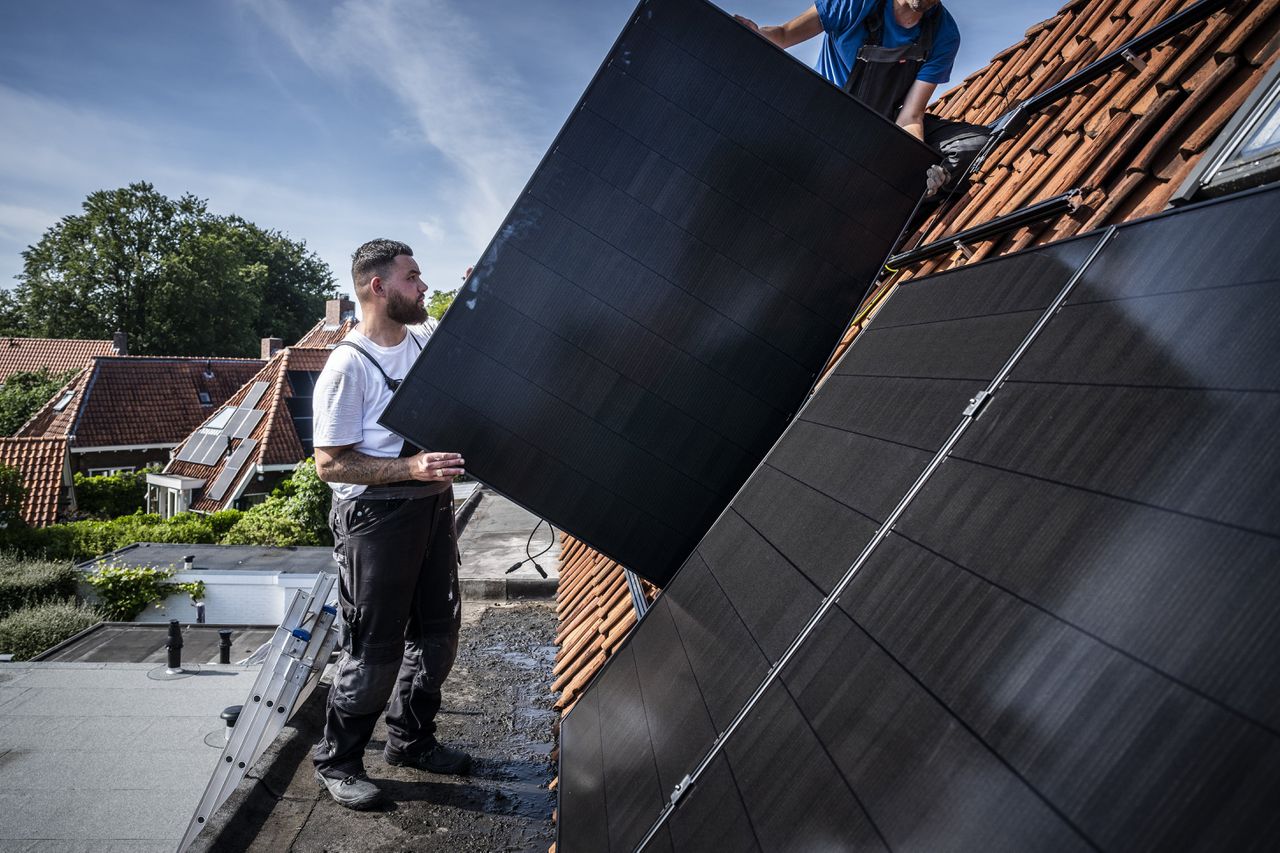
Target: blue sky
[[333, 122]]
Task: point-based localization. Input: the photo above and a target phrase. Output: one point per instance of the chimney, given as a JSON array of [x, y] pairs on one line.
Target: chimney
[[338, 310], [120, 343], [271, 346]]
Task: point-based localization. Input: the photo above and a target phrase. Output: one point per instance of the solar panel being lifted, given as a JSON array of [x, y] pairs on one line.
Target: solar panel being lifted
[[1047, 621], [658, 303]]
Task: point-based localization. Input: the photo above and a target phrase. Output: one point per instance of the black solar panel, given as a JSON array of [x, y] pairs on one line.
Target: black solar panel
[[1068, 640], [659, 301], [812, 506]]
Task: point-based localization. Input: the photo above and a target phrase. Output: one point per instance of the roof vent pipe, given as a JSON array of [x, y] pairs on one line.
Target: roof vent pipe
[[224, 645], [175, 648], [229, 715]]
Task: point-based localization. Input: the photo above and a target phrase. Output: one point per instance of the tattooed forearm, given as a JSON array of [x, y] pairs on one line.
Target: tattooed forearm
[[345, 465]]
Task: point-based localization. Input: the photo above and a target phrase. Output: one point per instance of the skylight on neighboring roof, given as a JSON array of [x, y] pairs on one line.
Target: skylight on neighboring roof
[[205, 399], [218, 421], [62, 403]]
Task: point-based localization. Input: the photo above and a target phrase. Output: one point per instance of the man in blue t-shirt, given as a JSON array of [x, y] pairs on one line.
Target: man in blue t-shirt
[[847, 25]]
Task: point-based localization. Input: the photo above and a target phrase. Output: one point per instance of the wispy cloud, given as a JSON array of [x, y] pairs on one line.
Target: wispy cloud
[[464, 103]]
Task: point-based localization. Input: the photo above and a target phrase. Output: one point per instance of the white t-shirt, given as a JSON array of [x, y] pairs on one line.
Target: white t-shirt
[[351, 394]]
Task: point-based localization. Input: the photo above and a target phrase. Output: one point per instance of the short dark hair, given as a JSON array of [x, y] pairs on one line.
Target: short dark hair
[[374, 258]]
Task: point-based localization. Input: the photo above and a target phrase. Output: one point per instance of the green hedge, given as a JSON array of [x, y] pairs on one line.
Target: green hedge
[[83, 540], [111, 495], [25, 583], [28, 632]]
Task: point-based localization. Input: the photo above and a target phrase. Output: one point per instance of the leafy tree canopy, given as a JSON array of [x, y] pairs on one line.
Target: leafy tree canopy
[[178, 279], [439, 301], [23, 393]]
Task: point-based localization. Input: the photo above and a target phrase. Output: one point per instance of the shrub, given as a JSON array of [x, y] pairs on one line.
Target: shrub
[[222, 521], [308, 502], [26, 583], [125, 591], [111, 495], [268, 524], [28, 632]]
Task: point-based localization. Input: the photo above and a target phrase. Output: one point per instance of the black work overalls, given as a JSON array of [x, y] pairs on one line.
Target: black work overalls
[[882, 76]]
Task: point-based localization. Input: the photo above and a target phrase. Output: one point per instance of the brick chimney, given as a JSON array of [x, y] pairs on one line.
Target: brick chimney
[[271, 346], [336, 311], [120, 343]]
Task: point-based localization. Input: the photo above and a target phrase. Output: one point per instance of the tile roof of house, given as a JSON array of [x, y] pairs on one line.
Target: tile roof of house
[[56, 355], [136, 401], [276, 439], [43, 463], [1127, 140], [324, 334]]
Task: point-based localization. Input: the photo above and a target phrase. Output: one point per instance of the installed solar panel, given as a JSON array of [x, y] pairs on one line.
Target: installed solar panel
[[807, 512], [244, 422], [256, 390], [1068, 639], [232, 469], [657, 304]]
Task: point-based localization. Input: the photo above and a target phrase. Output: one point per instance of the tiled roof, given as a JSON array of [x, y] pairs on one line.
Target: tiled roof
[[324, 334], [1127, 140], [56, 355], [595, 612], [276, 439], [130, 401], [42, 462]]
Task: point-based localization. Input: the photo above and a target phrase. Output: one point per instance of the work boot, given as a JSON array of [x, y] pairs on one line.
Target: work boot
[[353, 790], [438, 759]]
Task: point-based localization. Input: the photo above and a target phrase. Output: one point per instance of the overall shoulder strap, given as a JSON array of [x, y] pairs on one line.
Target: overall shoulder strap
[[875, 24], [393, 384]]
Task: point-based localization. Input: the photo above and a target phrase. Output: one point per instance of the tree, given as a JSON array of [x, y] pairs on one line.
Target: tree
[[24, 393], [439, 302], [178, 279]]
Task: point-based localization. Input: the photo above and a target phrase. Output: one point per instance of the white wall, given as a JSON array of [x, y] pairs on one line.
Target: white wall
[[232, 598]]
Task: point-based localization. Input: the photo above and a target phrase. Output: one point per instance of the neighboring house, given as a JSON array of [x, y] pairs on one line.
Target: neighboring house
[[244, 584], [245, 448], [46, 473], [339, 318], [55, 355], [122, 413], [242, 451], [1190, 114]]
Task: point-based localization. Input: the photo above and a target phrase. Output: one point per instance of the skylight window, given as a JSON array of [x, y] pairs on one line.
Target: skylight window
[[218, 421], [1247, 152], [64, 402], [205, 399]]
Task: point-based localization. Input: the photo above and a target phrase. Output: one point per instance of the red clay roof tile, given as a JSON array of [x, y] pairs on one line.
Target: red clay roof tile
[[43, 463]]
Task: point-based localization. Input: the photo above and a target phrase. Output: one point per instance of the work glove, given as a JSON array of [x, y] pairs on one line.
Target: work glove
[[935, 179]]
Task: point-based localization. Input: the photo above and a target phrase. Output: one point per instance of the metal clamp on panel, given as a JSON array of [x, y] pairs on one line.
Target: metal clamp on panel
[[682, 787], [976, 404]]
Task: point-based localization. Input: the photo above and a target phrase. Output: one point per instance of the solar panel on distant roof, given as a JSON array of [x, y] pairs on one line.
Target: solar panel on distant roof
[[253, 395], [231, 470]]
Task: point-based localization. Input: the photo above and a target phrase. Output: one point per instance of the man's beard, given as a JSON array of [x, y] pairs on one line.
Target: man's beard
[[404, 310]]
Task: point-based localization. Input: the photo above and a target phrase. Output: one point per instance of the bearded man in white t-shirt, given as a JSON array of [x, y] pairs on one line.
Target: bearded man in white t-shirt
[[394, 539]]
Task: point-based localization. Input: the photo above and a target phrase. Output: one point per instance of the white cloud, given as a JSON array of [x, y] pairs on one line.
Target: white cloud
[[464, 102]]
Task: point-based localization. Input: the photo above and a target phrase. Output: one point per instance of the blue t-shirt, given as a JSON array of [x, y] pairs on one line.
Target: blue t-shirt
[[845, 31]]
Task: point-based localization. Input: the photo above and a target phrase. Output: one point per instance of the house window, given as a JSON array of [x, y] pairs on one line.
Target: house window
[[62, 403], [205, 399], [120, 469], [1247, 152]]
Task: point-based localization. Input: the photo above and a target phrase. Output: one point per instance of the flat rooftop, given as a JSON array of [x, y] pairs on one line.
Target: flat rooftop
[[294, 559], [144, 642]]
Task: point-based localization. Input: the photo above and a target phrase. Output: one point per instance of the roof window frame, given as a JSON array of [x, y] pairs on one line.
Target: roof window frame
[[1221, 170]]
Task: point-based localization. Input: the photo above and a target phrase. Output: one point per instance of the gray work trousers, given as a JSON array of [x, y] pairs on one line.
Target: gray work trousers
[[398, 590]]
